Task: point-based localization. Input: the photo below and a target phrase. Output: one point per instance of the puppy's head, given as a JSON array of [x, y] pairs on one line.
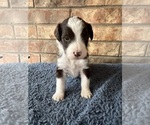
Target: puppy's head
[[72, 37]]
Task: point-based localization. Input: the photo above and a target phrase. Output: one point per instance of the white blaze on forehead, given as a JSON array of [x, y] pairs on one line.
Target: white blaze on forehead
[[76, 25], [77, 45]]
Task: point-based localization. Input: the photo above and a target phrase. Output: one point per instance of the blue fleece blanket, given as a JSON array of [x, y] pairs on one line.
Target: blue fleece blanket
[[104, 108], [121, 95]]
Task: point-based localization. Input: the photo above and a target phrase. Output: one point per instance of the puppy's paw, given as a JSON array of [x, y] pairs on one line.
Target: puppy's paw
[[58, 96], [86, 94]]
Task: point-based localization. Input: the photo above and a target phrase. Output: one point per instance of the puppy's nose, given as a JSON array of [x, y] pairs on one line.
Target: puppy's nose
[[77, 54]]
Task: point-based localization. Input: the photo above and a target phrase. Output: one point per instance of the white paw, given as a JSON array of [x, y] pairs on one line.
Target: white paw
[[58, 96], [86, 94]]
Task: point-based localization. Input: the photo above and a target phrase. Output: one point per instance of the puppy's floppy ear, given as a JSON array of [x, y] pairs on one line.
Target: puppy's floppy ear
[[58, 32], [90, 31]]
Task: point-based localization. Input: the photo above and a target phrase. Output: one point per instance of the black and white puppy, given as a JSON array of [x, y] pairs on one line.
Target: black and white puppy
[[72, 40]]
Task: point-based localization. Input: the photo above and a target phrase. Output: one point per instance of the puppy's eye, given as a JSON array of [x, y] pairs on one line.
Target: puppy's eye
[[67, 38]]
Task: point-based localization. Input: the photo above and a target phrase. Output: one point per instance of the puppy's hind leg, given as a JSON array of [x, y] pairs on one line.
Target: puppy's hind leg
[[60, 85]]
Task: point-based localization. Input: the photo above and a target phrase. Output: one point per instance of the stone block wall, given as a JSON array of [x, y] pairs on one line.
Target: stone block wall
[[121, 29]]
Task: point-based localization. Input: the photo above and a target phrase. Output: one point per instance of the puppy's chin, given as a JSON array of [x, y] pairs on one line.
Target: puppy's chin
[[74, 58]]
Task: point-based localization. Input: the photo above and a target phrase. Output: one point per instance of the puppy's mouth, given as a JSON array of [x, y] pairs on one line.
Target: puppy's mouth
[[79, 57]]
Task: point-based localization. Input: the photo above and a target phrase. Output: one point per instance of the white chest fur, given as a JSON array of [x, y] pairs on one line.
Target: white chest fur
[[72, 67]]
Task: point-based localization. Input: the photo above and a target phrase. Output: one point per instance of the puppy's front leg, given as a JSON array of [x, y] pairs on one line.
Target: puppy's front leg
[[60, 85], [85, 83]]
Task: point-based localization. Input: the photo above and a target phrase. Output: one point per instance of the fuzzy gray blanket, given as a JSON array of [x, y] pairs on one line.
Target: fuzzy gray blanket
[[26, 91]]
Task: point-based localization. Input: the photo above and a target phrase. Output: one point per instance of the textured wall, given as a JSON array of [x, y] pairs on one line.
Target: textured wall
[[121, 28]]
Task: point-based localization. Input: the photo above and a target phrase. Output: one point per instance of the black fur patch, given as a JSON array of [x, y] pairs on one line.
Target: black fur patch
[[64, 34], [87, 33], [87, 72], [59, 73], [67, 36]]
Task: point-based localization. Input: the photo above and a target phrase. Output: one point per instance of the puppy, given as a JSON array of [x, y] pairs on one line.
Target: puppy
[[72, 39]]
